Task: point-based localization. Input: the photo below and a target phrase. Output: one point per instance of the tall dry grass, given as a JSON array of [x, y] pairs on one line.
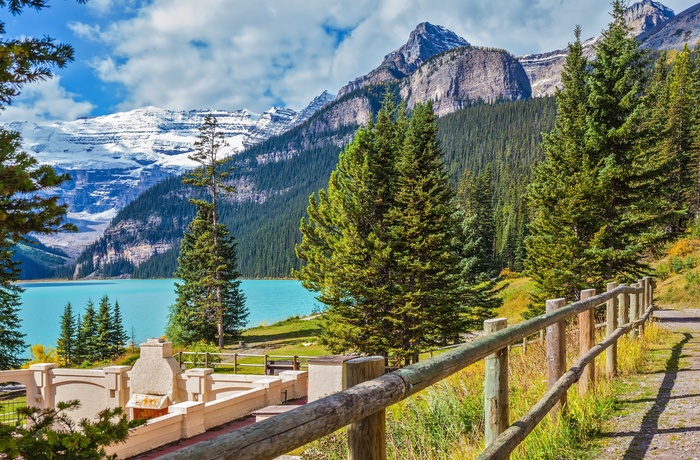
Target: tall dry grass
[[446, 421]]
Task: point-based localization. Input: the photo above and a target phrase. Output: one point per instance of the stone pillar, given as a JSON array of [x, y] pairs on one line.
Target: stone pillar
[[116, 384], [273, 389], [327, 375], [42, 396], [193, 417], [301, 380], [198, 384]]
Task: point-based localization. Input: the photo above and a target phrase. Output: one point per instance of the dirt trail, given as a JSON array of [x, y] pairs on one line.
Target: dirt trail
[[662, 412]]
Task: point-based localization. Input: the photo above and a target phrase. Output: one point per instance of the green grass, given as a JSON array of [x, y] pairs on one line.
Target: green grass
[[516, 296], [9, 406], [293, 336]]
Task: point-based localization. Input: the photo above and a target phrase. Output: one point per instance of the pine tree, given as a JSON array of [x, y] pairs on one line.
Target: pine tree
[[563, 194], [205, 293], [119, 338], [65, 345], [345, 243], [88, 334], [677, 142], [11, 339], [104, 329], [210, 289], [24, 205], [424, 229], [593, 198], [381, 244], [630, 217]]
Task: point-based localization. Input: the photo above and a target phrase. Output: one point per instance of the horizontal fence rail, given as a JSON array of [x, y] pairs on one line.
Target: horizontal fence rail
[[288, 431], [237, 361]]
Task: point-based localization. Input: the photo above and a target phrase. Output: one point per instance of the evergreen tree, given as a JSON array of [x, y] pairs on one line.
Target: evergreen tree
[[345, 243], [476, 201], [11, 339], [88, 334], [677, 142], [629, 213], [593, 198], [563, 194], [381, 244], [424, 232], [24, 205], [65, 345], [79, 350], [104, 329], [211, 289], [118, 337], [209, 302]]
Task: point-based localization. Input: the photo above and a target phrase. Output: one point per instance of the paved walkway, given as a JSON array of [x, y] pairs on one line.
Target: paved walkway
[[231, 426], [662, 419]]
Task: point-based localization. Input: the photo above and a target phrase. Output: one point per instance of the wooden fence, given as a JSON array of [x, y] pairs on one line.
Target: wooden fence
[[236, 362], [362, 406]]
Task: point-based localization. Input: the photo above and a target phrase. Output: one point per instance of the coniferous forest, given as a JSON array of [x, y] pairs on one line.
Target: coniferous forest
[[504, 138]]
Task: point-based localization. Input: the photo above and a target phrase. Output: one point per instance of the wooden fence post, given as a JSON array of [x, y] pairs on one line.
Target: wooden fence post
[[586, 325], [650, 292], [366, 437], [495, 385], [634, 312], [623, 302], [235, 363], [610, 326], [643, 303], [556, 354]]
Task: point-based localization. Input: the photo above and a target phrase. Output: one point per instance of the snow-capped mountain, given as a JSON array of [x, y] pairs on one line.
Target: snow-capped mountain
[[115, 157]]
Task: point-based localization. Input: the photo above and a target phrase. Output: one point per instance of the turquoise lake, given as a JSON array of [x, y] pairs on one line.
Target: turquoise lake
[[144, 304]]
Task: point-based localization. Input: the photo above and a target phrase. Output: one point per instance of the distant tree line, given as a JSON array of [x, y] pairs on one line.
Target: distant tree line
[[96, 335]]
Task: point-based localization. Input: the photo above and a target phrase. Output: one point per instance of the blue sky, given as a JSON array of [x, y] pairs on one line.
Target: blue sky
[[254, 54]]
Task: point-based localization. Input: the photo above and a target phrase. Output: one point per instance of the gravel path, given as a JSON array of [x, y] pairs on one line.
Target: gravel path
[[662, 410]]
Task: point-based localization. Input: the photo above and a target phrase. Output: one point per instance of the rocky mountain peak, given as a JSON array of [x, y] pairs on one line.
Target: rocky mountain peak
[[424, 42], [647, 14]]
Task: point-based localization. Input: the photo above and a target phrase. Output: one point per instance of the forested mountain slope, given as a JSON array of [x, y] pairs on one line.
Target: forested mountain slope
[[264, 216]]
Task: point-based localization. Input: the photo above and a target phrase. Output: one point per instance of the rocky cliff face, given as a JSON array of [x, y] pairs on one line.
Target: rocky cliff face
[[425, 41], [645, 15], [674, 33], [461, 76], [644, 19]]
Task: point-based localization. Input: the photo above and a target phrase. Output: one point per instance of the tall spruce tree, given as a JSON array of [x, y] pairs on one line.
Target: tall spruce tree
[[118, 336], [563, 193], [593, 213], [676, 144], [65, 345], [424, 230], [204, 301], [210, 290], [381, 243], [24, 205], [88, 334], [104, 328], [345, 243]]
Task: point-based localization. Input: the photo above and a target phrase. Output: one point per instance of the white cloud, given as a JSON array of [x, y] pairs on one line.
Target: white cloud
[[45, 101], [181, 54]]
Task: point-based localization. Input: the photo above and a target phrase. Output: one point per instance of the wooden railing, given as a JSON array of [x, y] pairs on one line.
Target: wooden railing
[[236, 362], [362, 406]]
